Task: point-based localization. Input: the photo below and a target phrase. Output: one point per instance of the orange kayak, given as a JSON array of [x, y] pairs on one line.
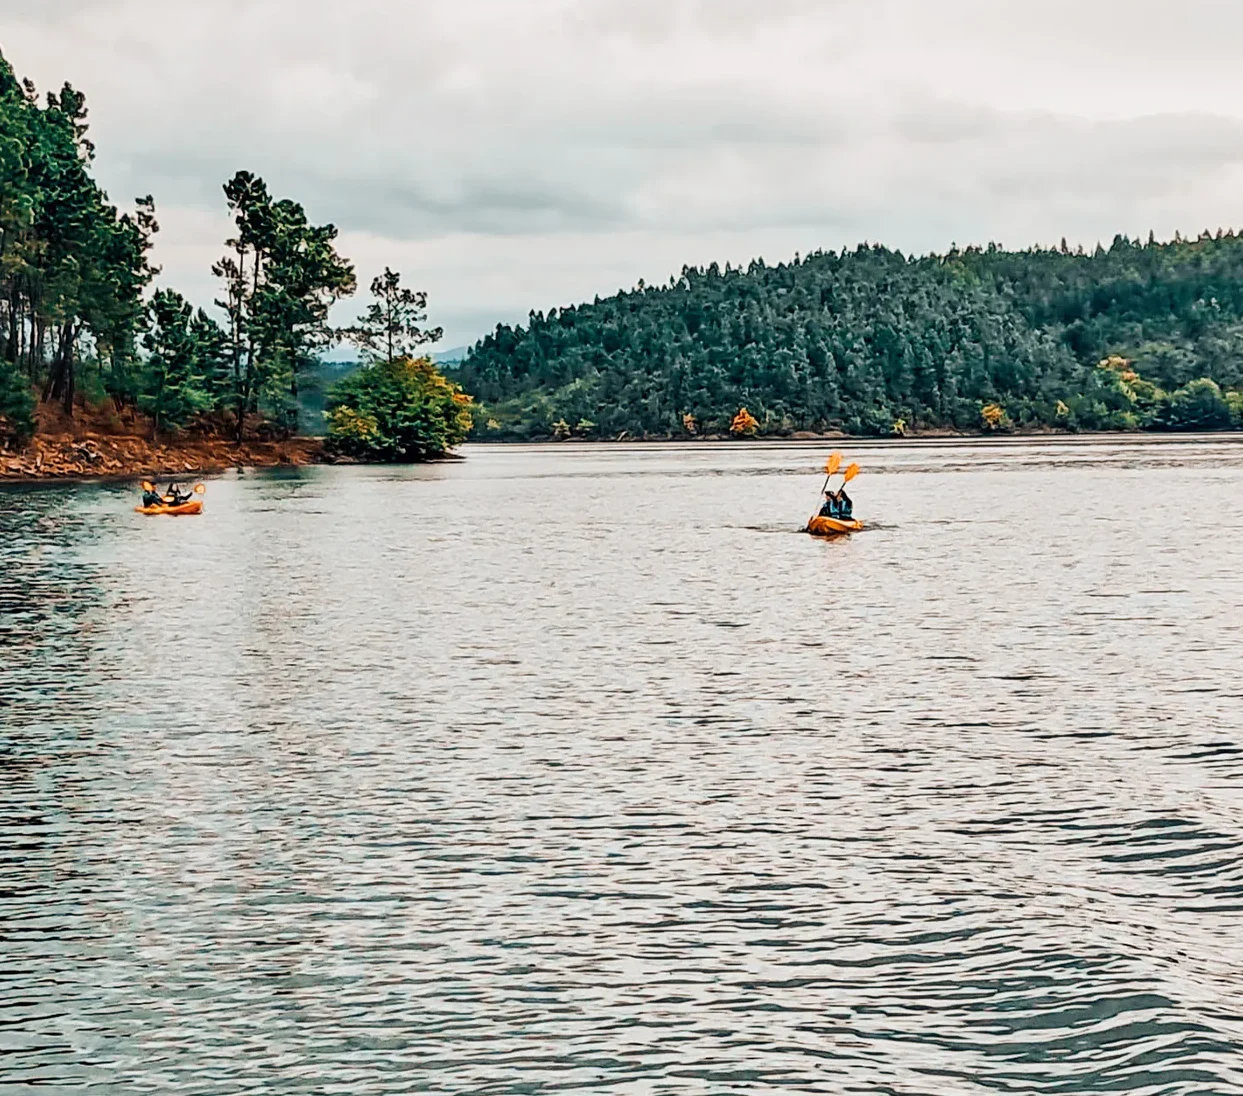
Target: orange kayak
[[194, 506], [832, 527]]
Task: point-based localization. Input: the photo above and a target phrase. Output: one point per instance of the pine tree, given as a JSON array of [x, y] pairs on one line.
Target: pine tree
[[391, 326]]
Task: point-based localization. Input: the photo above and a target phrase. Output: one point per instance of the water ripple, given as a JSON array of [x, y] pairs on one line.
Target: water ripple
[[554, 771]]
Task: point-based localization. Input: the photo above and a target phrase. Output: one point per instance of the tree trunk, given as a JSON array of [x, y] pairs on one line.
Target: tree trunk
[[60, 375], [67, 365], [243, 398], [51, 386], [21, 346], [37, 331], [14, 351], [244, 394]]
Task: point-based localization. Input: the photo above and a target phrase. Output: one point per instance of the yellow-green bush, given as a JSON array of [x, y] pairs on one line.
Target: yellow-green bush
[[403, 410]]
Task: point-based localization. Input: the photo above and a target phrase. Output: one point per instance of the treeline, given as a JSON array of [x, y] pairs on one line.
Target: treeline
[[72, 267], [76, 317], [80, 324], [871, 341]]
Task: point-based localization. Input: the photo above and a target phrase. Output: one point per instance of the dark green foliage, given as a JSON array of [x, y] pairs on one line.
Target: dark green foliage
[[16, 405], [1198, 405], [72, 267], [865, 338], [74, 275], [313, 394], [282, 275], [403, 410], [184, 368]]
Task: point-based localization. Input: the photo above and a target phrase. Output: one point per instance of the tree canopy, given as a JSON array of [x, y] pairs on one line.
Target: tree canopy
[[1139, 335], [281, 276], [73, 267], [391, 328], [78, 317], [399, 410], [871, 341]]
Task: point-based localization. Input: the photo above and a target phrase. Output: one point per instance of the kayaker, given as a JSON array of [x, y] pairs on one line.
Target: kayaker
[[845, 508], [150, 496], [829, 509], [175, 496]]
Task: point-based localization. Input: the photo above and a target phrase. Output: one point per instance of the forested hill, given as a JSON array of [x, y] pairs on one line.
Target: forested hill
[[870, 341]]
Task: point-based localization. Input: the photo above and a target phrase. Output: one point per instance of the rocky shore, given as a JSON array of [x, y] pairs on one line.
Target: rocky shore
[[89, 454]]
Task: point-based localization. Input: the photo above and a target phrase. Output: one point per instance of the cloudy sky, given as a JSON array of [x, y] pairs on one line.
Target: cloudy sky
[[510, 155]]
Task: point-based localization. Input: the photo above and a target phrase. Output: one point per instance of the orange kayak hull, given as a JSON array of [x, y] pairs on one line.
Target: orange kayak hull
[[832, 527], [194, 506]]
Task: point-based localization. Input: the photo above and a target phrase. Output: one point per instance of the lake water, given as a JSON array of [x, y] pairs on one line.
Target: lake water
[[582, 770]]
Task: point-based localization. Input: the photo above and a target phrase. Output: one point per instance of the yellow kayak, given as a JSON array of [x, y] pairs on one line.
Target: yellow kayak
[[194, 506], [832, 527]]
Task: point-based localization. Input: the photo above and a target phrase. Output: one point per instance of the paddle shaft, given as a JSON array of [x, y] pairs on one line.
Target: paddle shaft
[[831, 467]]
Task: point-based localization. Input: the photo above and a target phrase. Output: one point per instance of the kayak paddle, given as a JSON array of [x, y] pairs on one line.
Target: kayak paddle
[[830, 466]]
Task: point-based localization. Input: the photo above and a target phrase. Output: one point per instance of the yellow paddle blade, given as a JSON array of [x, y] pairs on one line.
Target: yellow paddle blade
[[851, 472], [199, 489], [147, 485], [833, 463]]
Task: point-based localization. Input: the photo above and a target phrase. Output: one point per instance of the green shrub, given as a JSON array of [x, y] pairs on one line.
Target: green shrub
[[1198, 405], [1234, 401], [397, 411], [17, 405]]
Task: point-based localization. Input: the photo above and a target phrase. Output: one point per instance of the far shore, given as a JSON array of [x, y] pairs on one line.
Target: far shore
[[102, 458], [914, 438]]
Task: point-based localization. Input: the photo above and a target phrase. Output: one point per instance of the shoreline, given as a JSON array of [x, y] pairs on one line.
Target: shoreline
[[1015, 437], [93, 456]]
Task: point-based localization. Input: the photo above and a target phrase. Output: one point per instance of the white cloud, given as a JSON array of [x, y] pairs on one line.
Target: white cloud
[[514, 154]]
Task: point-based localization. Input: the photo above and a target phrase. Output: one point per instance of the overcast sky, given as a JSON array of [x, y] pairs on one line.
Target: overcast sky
[[510, 155]]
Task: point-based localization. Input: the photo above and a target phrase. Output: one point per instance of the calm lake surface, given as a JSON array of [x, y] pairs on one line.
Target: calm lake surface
[[581, 770]]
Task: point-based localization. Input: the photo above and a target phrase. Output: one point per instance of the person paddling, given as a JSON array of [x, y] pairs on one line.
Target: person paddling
[[150, 496], [175, 495], [837, 512], [845, 508]]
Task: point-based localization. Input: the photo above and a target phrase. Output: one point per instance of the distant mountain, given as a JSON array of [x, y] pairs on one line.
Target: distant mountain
[[451, 356], [347, 356]]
